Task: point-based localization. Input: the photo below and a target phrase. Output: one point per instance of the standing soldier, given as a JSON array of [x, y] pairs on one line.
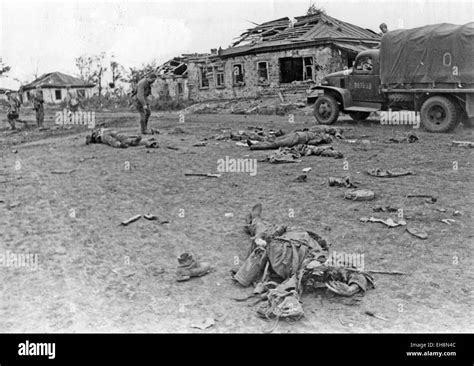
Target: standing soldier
[[13, 112], [143, 91], [38, 106], [72, 103]]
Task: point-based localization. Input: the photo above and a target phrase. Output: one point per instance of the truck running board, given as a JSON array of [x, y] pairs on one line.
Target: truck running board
[[356, 108]]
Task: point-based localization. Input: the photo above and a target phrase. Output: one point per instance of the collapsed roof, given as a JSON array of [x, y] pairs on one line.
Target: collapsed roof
[[57, 80], [175, 67], [286, 33]]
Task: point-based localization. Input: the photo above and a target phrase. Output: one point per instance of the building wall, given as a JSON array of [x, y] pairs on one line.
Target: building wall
[[49, 94], [326, 59], [169, 88]]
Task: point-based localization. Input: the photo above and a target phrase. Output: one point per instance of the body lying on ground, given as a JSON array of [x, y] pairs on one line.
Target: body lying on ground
[[314, 136], [112, 138], [284, 261]]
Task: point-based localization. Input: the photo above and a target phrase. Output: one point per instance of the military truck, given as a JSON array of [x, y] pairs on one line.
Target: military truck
[[427, 70]]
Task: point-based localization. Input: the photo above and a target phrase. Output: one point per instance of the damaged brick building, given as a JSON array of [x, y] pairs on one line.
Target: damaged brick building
[[283, 55]]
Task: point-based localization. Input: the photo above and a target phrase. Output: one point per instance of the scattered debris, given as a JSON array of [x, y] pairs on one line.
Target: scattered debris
[[359, 195], [430, 198], [372, 314], [14, 204], [172, 148], [14, 151], [440, 209], [63, 171], [201, 143], [381, 173], [418, 232], [284, 155], [463, 144], [209, 175], [448, 221], [150, 217], [384, 209], [177, 131], [410, 139], [388, 222], [306, 170], [229, 214], [204, 324], [241, 144], [301, 178], [457, 213], [387, 272], [152, 144], [130, 220], [341, 182]]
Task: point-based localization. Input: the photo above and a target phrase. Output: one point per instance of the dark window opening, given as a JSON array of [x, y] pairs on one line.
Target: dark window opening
[[308, 68], [364, 64], [204, 81], [350, 60], [220, 79], [57, 95], [262, 70], [296, 69], [180, 89], [238, 74]]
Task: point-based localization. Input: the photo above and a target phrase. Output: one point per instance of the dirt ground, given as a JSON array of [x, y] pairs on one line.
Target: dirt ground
[[96, 276]]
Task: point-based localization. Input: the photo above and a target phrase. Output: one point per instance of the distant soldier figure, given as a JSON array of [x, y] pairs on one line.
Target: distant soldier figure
[[38, 106], [13, 112], [140, 95], [72, 101]]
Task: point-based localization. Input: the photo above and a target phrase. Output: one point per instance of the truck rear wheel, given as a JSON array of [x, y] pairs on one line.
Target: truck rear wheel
[[359, 116], [438, 114], [326, 109]]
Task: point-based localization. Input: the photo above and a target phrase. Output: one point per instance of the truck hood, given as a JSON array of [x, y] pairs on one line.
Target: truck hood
[[339, 74]]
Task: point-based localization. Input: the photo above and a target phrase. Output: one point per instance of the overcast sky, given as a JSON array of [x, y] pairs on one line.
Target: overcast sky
[[49, 35]]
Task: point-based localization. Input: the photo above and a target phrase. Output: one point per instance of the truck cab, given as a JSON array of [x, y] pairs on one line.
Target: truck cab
[[362, 80]]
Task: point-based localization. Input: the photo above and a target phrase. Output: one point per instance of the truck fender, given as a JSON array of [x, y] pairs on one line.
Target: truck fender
[[344, 95]]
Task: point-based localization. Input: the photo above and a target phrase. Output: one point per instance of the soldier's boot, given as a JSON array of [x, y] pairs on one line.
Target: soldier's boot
[[188, 267], [252, 267]]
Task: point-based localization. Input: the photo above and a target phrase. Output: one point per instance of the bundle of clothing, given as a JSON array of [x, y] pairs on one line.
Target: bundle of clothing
[[283, 262]]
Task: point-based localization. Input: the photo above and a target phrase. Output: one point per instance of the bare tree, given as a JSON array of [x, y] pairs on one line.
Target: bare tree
[[118, 72], [35, 68], [92, 69]]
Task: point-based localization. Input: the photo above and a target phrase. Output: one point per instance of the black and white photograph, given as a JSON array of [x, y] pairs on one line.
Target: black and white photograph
[[250, 167]]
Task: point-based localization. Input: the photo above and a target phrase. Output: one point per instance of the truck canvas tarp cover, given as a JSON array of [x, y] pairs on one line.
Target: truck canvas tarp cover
[[441, 53]]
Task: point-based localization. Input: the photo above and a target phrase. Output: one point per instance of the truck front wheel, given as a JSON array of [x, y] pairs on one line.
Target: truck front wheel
[[359, 116], [438, 114], [326, 109]]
